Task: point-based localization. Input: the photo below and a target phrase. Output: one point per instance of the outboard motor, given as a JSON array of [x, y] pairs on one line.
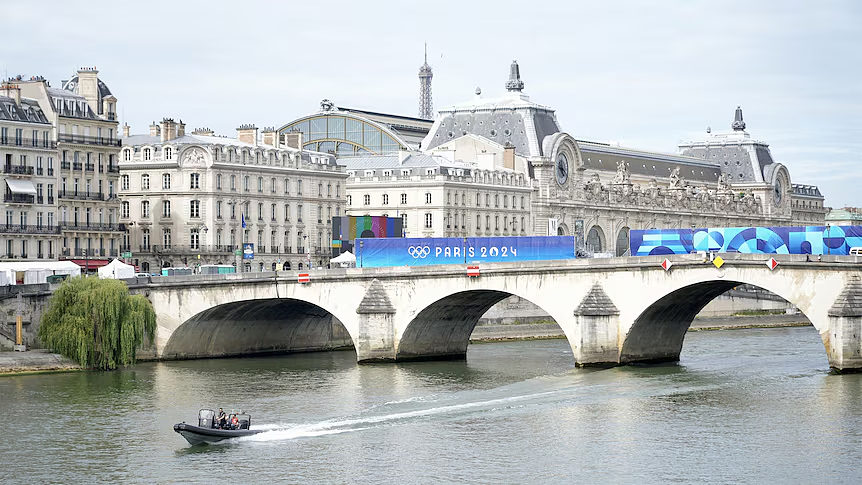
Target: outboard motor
[[205, 418]]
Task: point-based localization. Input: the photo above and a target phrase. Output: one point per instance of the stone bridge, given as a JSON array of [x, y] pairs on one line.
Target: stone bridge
[[613, 311]]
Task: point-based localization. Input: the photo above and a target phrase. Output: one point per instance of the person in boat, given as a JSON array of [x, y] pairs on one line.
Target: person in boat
[[234, 422], [222, 419]]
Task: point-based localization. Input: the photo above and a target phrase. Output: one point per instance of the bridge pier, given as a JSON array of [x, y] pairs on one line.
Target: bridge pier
[[844, 342], [596, 331], [376, 336]]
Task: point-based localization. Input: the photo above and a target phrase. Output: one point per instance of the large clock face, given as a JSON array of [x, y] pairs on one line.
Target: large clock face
[[562, 168], [777, 190]]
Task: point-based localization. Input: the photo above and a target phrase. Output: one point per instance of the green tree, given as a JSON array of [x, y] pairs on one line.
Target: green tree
[[96, 322]]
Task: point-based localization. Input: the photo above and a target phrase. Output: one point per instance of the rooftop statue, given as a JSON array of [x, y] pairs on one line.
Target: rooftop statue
[[623, 175], [675, 180]]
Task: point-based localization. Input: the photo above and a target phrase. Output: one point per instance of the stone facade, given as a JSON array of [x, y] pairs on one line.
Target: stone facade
[[192, 199], [28, 151], [84, 178]]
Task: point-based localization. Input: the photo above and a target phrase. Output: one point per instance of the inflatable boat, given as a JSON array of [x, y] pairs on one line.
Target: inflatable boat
[[210, 430]]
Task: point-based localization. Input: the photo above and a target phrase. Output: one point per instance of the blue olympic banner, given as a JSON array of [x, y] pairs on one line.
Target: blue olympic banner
[[763, 240], [380, 252]]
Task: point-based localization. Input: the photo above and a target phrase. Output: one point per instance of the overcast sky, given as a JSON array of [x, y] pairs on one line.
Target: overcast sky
[[644, 74]]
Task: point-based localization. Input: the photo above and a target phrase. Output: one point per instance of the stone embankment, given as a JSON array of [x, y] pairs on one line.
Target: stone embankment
[[37, 361], [494, 333], [34, 361]]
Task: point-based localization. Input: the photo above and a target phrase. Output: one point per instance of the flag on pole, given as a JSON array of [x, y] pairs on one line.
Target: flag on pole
[[243, 220]]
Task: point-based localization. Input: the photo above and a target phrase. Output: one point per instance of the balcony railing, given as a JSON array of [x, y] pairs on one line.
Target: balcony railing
[[77, 165], [89, 140], [101, 168], [111, 116], [193, 248], [39, 170], [64, 165], [50, 199], [113, 169], [50, 171], [81, 195], [20, 198], [18, 170], [93, 226], [29, 229], [28, 142], [90, 167]]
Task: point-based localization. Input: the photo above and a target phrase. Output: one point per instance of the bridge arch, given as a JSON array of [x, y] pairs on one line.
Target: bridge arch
[[255, 327], [442, 328], [657, 329]]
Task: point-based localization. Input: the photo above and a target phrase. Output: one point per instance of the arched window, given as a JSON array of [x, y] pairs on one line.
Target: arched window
[[148, 154], [168, 153], [622, 242], [145, 208], [127, 154], [166, 238], [595, 239]]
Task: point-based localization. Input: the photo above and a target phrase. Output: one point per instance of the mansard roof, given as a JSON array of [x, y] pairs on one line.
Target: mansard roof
[[27, 112]]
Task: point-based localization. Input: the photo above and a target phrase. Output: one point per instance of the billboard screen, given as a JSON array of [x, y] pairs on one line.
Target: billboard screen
[[764, 240], [373, 253], [346, 229]]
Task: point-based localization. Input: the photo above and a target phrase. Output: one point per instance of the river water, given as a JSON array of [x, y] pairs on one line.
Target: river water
[[742, 406]]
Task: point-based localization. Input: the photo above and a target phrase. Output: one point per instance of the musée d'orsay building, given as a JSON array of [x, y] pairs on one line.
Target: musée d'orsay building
[[504, 166]]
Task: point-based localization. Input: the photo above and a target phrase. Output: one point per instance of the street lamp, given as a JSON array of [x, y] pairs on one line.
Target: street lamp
[[360, 252]]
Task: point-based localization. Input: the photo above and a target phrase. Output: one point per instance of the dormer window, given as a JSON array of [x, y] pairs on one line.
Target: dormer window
[[148, 154], [168, 153]]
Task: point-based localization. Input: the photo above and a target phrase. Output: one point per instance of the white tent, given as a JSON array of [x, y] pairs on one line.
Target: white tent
[[345, 259], [31, 272], [117, 269]]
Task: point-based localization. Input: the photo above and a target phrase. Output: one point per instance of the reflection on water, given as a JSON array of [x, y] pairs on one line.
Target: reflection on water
[[742, 406]]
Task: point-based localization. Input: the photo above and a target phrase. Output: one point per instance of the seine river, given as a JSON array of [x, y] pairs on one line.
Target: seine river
[[742, 406]]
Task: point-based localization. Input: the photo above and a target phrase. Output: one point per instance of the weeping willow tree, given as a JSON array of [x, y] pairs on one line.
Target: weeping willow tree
[[96, 322]]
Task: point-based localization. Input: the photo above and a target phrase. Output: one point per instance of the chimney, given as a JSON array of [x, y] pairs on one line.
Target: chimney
[[203, 132], [181, 129], [270, 137], [154, 129], [12, 91], [293, 139], [247, 134], [169, 129], [88, 87], [509, 156], [126, 130]]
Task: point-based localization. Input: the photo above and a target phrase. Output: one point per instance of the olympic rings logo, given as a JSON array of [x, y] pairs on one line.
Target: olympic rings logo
[[419, 251]]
